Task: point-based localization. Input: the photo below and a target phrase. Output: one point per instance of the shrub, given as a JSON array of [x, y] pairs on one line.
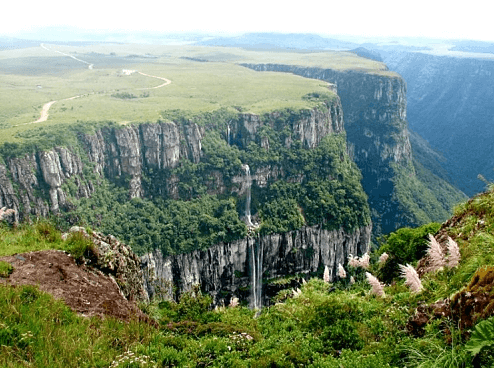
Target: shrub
[[404, 246], [80, 247], [5, 269]]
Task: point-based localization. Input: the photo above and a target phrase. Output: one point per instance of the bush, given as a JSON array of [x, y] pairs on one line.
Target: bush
[[5, 269], [80, 247], [406, 245]]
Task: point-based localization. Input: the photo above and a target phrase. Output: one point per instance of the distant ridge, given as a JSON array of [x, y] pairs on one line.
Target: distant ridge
[[299, 41]]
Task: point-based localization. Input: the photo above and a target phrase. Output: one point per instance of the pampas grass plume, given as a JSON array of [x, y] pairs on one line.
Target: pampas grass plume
[[341, 271], [412, 278], [353, 261], [365, 261], [233, 302], [454, 253], [377, 287], [435, 254], [383, 258], [5, 212], [325, 276]]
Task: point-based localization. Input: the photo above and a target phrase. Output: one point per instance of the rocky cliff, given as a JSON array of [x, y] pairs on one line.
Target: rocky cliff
[[244, 268], [375, 108], [450, 104], [34, 184]]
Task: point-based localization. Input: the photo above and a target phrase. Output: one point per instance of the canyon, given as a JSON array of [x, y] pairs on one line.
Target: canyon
[[369, 111]]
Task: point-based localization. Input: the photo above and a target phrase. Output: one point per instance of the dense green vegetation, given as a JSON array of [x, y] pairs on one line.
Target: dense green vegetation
[[322, 326], [423, 197], [328, 191]]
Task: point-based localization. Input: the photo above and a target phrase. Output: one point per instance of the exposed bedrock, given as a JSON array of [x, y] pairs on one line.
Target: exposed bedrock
[[227, 270], [374, 108]]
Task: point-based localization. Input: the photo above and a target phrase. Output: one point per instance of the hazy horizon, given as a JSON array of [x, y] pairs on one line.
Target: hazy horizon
[[381, 19]]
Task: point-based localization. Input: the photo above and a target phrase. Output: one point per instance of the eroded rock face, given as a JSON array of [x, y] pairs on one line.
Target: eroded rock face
[[226, 270], [33, 184], [377, 133]]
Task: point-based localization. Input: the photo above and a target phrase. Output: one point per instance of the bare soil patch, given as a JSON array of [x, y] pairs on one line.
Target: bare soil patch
[[86, 290]]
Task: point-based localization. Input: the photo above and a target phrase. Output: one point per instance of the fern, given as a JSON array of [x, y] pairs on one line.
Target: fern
[[482, 336]]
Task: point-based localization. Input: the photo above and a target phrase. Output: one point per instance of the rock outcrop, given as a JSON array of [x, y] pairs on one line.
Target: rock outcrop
[[227, 270]]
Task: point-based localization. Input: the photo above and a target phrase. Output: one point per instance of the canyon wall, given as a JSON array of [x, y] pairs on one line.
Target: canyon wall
[[450, 104], [43, 182], [237, 269]]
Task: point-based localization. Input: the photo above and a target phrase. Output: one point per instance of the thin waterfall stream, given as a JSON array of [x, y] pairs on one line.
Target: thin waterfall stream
[[248, 184], [257, 251]]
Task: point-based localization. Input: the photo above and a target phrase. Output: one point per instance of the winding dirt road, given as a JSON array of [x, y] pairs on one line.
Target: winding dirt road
[[46, 107]]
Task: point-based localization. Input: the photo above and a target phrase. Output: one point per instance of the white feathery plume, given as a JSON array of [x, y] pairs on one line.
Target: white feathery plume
[[296, 292], [5, 212], [353, 261], [325, 276], [233, 302], [365, 261], [412, 278], [454, 253], [352, 280], [383, 258], [435, 254], [377, 287], [341, 271]]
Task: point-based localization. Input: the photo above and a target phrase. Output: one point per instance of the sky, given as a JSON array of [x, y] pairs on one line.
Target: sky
[[377, 18]]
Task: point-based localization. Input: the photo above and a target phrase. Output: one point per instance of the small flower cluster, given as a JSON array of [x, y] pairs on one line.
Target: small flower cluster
[[129, 358], [241, 336], [26, 336], [241, 340]]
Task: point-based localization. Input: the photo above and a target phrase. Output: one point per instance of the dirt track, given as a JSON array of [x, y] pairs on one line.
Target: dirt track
[[46, 106]]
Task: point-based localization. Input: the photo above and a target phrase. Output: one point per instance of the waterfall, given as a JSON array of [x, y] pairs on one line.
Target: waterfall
[[228, 133], [248, 184], [256, 251]]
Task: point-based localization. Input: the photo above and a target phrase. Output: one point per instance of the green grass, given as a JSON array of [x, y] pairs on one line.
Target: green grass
[[348, 326], [36, 76], [41, 235], [5, 269]]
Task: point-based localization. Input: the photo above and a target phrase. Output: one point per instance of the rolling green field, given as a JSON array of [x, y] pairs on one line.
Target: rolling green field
[[32, 77]]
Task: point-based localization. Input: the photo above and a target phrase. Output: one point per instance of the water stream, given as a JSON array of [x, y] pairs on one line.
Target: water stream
[[248, 184], [256, 250]]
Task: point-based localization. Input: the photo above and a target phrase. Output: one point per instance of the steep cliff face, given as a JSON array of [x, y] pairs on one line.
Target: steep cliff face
[[243, 268], [450, 104], [378, 139], [34, 184]]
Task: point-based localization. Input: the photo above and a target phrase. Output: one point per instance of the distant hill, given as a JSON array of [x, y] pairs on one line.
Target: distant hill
[[302, 41]]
